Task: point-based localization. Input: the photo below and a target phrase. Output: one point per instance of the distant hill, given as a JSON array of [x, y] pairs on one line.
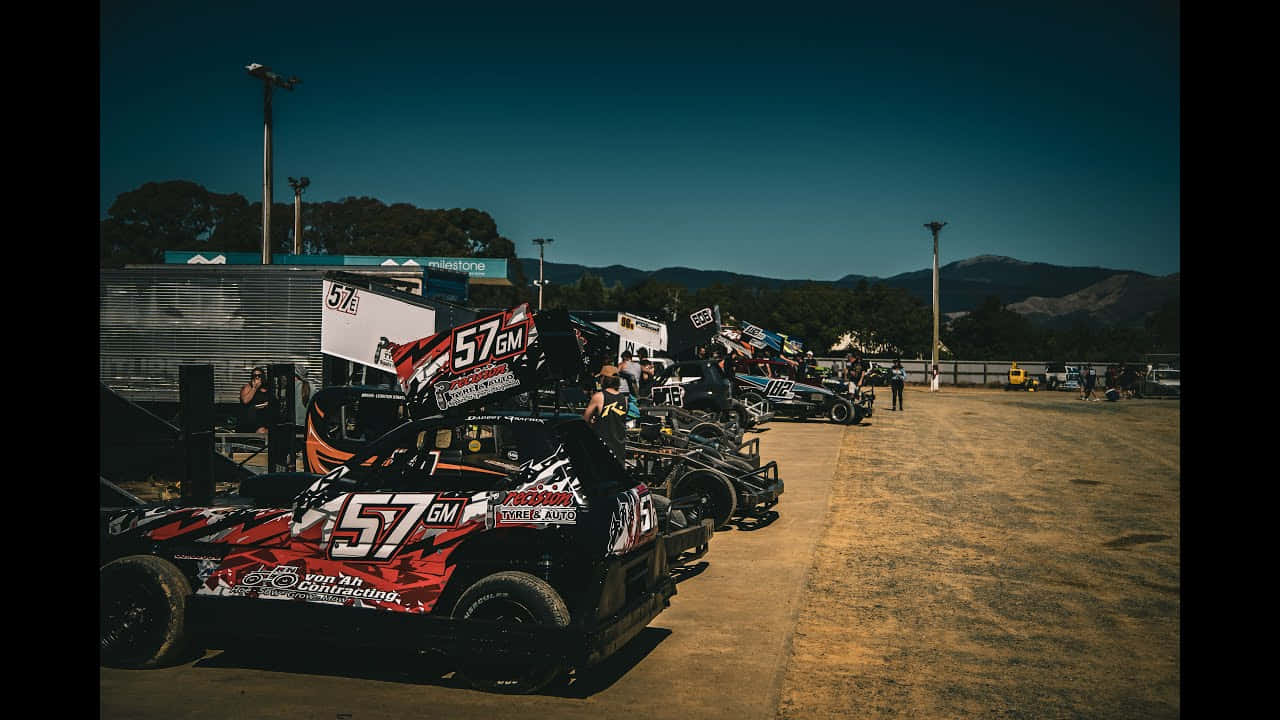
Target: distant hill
[[1123, 300], [1028, 287]]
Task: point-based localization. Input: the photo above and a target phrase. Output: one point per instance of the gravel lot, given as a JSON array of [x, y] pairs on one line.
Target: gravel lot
[[997, 554], [983, 554]]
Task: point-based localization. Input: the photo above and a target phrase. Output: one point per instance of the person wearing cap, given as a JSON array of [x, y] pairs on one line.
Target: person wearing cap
[[646, 372], [606, 412], [807, 365]]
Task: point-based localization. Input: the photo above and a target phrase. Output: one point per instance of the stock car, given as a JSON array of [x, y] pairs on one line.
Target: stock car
[[514, 545], [340, 420], [772, 383]]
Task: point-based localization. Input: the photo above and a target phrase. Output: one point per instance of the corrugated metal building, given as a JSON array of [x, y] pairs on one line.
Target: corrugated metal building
[[153, 318]]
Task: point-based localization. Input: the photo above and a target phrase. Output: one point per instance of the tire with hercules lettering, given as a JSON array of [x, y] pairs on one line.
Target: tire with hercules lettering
[[512, 597]]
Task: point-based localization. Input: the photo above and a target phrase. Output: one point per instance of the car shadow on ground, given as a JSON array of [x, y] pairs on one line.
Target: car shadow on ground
[[425, 668], [754, 522], [680, 573]]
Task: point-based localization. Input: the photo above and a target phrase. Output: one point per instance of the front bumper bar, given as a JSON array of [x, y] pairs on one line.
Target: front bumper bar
[[759, 487]]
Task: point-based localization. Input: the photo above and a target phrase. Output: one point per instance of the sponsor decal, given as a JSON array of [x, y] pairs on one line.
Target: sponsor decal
[[538, 505], [474, 446], [477, 361], [548, 494], [342, 298], [631, 322], [476, 385], [286, 581]]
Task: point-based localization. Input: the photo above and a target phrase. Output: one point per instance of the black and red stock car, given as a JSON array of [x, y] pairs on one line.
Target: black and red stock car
[[517, 546], [514, 545]]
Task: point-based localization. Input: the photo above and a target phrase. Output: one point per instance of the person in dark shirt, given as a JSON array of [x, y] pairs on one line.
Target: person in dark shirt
[[256, 401], [607, 413]]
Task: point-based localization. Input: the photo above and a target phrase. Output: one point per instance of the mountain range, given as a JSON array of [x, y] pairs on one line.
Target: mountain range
[[1052, 295]]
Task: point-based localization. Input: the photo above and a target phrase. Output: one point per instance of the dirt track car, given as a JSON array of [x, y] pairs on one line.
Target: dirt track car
[[773, 383], [726, 484], [515, 546]]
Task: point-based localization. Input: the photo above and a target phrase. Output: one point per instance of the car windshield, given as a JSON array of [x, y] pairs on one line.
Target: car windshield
[[1168, 375]]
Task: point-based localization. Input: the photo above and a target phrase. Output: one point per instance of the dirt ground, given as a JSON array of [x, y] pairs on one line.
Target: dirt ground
[[996, 554], [982, 554]]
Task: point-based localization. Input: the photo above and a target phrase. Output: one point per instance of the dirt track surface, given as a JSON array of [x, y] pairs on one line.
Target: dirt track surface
[[983, 554], [993, 554]]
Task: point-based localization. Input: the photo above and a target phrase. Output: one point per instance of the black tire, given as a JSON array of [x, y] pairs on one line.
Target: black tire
[[142, 613], [858, 414], [840, 412], [512, 596], [708, 430], [721, 500]]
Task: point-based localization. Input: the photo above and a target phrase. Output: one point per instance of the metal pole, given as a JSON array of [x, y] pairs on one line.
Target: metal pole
[[935, 226], [297, 221], [935, 297], [266, 172], [542, 244]]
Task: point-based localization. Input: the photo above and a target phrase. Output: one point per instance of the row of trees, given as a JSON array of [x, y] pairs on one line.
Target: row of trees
[[182, 215], [881, 317]]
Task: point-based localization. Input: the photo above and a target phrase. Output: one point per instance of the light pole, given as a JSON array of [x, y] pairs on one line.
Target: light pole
[[298, 186], [269, 79], [542, 244], [935, 226]]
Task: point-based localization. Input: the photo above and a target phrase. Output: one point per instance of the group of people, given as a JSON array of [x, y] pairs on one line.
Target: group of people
[[1120, 382], [608, 409], [1124, 380], [857, 372]]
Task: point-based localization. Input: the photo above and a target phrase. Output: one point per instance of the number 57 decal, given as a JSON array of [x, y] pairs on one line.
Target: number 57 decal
[[373, 526]]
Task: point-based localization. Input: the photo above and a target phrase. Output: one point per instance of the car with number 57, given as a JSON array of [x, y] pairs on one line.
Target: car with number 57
[[516, 546]]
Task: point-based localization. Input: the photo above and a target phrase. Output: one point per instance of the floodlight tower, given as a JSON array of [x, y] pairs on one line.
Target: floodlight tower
[[269, 80], [935, 226], [542, 244], [298, 186]]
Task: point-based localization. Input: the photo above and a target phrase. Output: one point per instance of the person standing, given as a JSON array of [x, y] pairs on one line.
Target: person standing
[[934, 380], [607, 413], [256, 401], [897, 380], [630, 372], [1090, 381]]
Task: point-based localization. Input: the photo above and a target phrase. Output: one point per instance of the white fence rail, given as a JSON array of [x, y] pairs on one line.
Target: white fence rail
[[964, 372]]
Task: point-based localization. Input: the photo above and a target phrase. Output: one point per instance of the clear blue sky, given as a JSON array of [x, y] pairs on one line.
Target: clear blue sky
[[795, 141]]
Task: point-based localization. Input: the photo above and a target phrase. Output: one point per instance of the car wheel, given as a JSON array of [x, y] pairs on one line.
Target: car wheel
[[755, 398], [720, 501], [142, 613], [840, 412], [708, 431], [512, 597]]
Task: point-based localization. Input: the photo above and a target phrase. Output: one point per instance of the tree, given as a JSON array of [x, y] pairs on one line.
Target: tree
[[182, 215], [992, 332]]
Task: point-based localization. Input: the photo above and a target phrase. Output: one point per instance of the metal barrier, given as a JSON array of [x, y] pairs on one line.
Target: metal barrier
[[966, 372]]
